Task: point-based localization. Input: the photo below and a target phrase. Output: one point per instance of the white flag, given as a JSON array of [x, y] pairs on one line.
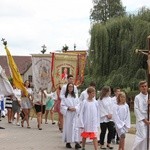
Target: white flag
[[5, 86]]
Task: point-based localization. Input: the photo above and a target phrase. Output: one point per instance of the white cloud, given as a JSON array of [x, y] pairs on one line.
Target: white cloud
[[28, 24]]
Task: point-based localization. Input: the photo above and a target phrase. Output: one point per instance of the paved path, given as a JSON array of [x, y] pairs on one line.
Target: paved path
[[18, 138]]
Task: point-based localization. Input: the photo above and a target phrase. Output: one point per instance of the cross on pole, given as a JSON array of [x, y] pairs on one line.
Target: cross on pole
[[4, 41], [147, 52], [44, 49]]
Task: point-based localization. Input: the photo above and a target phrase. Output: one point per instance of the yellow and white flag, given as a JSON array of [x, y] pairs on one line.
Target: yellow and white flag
[[17, 79]]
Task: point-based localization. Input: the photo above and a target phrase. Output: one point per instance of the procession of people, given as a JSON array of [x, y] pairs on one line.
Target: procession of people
[[83, 116]]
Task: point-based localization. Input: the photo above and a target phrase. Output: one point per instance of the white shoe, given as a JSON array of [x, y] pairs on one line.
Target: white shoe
[[18, 124], [13, 122], [113, 141]]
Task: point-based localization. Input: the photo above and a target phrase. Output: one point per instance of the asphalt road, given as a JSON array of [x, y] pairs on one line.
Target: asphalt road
[[20, 138]]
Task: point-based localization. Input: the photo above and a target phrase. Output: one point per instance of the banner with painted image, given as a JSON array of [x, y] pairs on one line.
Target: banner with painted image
[[62, 65], [41, 68], [82, 56]]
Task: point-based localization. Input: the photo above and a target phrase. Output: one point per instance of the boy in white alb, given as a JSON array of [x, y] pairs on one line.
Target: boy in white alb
[[140, 110], [89, 118], [84, 94]]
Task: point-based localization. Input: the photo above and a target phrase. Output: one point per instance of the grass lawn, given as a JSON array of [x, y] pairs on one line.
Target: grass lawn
[[132, 130], [133, 119]]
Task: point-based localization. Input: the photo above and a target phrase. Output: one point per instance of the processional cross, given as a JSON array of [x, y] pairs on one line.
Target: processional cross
[[147, 52]]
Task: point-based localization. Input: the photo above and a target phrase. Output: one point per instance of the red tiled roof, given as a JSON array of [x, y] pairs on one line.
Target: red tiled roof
[[22, 62]]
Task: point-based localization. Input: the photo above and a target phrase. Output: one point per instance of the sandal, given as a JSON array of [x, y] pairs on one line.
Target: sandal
[[102, 147], [109, 147], [28, 127]]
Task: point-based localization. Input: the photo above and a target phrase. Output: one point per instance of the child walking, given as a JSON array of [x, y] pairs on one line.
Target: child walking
[[121, 117], [69, 109], [49, 107], [89, 118]]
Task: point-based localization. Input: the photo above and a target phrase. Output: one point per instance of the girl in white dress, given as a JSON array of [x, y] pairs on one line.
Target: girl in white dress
[[69, 109], [89, 118], [121, 117], [26, 103]]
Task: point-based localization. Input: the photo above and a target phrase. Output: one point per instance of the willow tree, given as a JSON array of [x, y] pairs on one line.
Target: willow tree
[[113, 45], [99, 51]]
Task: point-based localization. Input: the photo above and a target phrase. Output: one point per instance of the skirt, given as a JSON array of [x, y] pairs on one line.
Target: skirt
[[39, 108], [91, 135], [25, 103], [57, 106], [49, 104], [15, 107], [8, 103]]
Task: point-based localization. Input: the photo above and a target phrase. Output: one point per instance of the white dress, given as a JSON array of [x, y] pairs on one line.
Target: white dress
[[106, 106], [89, 116], [140, 109], [25, 101], [121, 118], [70, 130]]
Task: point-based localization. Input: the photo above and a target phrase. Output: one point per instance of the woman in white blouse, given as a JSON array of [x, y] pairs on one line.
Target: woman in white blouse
[[105, 104], [39, 105]]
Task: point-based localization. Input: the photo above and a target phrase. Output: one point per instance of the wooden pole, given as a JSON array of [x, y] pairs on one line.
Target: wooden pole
[[148, 109], [147, 52]]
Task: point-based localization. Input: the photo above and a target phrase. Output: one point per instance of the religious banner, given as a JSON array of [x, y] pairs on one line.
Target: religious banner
[[62, 65], [81, 66], [41, 68], [82, 55]]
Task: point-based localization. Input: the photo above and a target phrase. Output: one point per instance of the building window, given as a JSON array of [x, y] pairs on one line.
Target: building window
[[30, 78]]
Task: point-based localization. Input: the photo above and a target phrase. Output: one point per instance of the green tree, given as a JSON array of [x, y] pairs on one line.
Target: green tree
[[112, 56], [65, 48], [106, 9]]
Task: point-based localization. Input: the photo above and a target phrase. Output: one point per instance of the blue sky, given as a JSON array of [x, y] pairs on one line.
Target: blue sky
[[28, 24]]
